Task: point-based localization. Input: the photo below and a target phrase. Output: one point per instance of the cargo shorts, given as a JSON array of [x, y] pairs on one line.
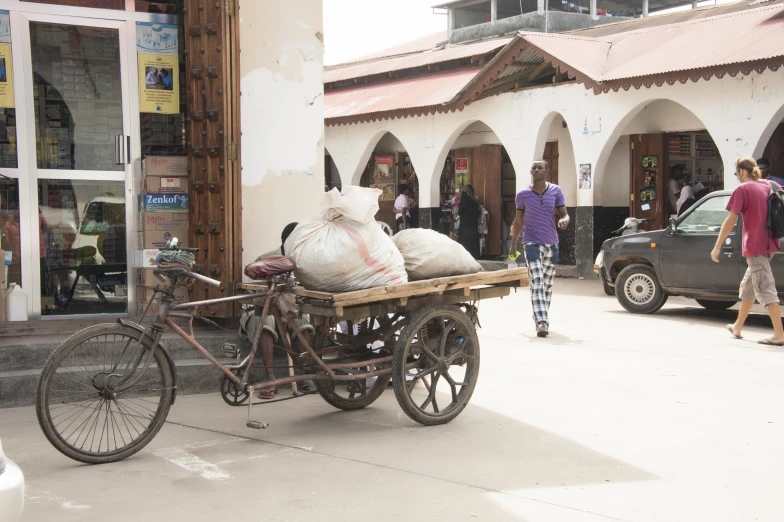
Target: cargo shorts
[[758, 281]]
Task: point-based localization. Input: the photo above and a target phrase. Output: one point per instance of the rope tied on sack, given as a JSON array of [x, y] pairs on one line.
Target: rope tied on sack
[[177, 259]]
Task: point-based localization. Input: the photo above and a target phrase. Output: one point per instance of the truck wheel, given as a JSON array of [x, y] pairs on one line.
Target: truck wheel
[[638, 290], [715, 305]]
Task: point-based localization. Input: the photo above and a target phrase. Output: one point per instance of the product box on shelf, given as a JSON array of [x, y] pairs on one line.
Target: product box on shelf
[[153, 203], [159, 185], [165, 166], [157, 228]]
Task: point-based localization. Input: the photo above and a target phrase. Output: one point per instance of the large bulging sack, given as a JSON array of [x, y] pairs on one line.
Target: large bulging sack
[[429, 254], [345, 249]]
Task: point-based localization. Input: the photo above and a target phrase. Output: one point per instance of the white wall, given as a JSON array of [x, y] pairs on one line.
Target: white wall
[[476, 135], [282, 111], [614, 192], [740, 113]]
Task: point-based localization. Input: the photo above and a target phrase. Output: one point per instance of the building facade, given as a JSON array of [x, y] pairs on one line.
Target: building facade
[[603, 125]]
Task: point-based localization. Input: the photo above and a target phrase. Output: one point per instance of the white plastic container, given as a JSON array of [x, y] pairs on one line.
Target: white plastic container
[[16, 303]]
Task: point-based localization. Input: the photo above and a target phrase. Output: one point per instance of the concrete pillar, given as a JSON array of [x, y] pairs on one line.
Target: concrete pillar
[[593, 9], [450, 22], [644, 8], [540, 7], [493, 10], [694, 4]]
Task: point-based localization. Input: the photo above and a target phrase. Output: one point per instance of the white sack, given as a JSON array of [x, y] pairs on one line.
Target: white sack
[[345, 249], [429, 254]]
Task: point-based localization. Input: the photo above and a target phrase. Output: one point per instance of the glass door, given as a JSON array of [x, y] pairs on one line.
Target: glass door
[[78, 96]]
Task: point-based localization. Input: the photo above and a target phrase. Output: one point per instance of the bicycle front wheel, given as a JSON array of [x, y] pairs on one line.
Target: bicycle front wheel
[[94, 404]]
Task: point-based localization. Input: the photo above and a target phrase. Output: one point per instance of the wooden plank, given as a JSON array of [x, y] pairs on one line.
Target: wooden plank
[[409, 290]]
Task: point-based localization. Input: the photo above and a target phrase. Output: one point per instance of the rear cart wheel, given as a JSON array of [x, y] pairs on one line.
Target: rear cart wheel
[[439, 347]]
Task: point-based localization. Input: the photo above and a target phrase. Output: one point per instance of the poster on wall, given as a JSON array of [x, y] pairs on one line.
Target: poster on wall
[[159, 70], [6, 63], [585, 177], [159, 84], [384, 177], [461, 172]]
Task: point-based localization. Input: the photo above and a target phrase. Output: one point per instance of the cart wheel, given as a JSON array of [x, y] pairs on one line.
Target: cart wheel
[[440, 343], [353, 395]]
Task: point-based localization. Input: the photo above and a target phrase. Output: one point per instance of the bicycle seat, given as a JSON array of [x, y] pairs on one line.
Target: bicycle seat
[[269, 267]]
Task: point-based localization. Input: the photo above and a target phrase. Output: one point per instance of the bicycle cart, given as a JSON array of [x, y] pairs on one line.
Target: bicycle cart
[[106, 391]]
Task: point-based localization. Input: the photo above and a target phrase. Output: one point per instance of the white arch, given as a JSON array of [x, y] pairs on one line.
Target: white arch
[[367, 151], [620, 128], [767, 133], [444, 147]]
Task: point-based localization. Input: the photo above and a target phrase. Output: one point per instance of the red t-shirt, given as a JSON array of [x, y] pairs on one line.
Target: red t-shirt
[[750, 200]]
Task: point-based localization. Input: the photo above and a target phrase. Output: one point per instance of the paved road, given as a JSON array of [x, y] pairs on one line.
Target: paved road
[[614, 417]]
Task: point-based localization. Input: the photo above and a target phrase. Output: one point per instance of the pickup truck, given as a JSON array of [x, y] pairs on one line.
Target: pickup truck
[[645, 269]]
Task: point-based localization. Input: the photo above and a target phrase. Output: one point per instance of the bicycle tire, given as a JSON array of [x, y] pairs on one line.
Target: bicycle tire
[[123, 414]]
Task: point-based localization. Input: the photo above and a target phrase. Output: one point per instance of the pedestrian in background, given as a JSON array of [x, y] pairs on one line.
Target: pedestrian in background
[[537, 208], [750, 200], [469, 211], [764, 166], [402, 214]]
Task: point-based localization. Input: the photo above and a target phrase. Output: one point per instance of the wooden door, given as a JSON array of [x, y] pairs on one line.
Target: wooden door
[[486, 180], [212, 132], [551, 157], [648, 198]]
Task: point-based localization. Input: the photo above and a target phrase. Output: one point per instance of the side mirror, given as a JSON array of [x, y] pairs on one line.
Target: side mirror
[[673, 225]]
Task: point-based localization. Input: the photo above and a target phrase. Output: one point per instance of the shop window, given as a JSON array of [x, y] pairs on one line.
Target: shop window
[[11, 239], [83, 247], [78, 96], [100, 4]]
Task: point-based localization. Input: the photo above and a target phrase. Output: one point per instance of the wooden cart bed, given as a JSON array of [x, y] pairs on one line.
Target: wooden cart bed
[[387, 299]]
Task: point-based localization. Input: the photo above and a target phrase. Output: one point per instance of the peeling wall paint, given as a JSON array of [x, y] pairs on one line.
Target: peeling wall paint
[[282, 111]]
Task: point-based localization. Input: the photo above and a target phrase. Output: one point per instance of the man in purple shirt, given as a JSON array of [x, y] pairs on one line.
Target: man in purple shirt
[[537, 207]]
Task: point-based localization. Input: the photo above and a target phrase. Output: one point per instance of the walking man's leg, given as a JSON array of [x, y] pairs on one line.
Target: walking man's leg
[[549, 259], [536, 276], [765, 289]]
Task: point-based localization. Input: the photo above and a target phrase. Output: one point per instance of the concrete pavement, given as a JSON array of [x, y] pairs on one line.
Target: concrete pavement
[[614, 417]]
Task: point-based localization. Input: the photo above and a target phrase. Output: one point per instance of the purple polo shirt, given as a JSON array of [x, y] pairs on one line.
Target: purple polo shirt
[[539, 226]]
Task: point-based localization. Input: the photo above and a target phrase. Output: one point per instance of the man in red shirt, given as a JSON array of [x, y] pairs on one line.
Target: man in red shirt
[[750, 200]]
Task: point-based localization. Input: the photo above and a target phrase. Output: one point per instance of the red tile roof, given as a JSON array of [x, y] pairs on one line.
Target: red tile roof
[[749, 36], [400, 63], [436, 89]]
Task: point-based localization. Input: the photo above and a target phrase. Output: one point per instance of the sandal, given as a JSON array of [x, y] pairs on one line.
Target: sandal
[[267, 394], [768, 342], [732, 332]]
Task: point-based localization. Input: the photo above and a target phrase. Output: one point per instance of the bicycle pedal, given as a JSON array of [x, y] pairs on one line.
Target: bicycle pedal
[[256, 425]]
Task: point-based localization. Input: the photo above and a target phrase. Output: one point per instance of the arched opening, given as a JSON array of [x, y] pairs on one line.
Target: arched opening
[[474, 155], [771, 145], [331, 173], [636, 173], [554, 145], [388, 168]]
